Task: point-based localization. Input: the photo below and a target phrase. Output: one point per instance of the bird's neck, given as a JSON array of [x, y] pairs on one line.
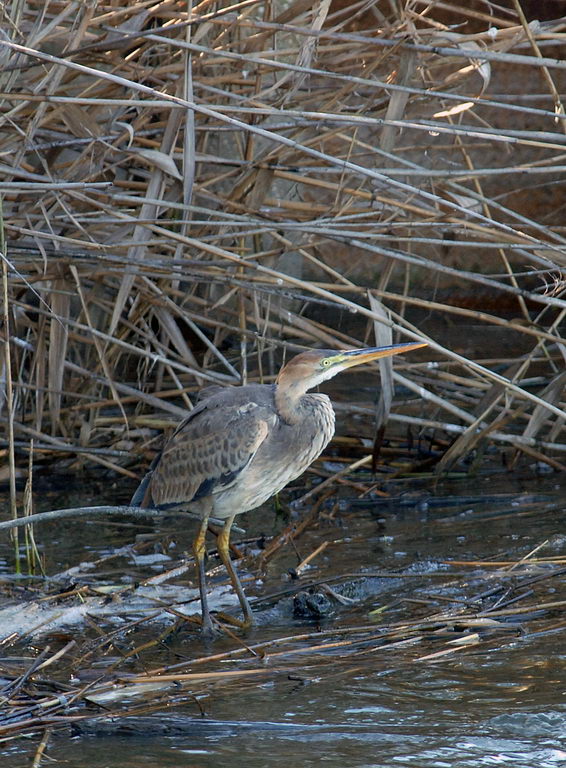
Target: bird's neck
[[288, 404]]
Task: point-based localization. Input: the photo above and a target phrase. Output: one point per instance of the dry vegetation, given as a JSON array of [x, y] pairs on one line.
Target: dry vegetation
[[137, 654], [187, 193]]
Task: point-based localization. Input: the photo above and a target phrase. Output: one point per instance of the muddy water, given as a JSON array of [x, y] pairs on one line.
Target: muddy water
[[500, 703]]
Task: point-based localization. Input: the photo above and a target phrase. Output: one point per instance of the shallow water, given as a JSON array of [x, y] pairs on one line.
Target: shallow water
[[501, 702]]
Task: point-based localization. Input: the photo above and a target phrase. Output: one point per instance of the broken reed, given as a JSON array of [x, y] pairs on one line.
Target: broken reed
[[478, 616], [187, 196]]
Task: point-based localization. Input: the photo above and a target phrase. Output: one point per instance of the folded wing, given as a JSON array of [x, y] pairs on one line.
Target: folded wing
[[207, 453]]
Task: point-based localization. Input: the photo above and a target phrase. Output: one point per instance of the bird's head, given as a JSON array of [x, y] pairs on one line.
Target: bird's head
[[311, 368]]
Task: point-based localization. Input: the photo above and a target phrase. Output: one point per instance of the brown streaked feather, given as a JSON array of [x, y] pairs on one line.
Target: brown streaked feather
[[209, 450], [241, 446]]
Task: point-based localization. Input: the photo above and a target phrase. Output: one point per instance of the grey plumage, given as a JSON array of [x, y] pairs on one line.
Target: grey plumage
[[236, 448], [240, 446]]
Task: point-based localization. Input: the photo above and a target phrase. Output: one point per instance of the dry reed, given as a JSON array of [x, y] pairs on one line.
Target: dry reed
[[187, 193]]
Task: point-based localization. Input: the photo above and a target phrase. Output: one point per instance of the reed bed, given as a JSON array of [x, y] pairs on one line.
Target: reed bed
[[189, 194]]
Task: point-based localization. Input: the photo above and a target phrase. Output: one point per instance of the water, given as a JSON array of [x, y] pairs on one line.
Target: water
[[499, 701]]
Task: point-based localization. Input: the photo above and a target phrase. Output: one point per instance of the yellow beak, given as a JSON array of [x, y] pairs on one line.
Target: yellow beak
[[351, 357]]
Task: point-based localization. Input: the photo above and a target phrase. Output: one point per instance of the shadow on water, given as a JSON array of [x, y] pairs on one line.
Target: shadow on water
[[436, 638]]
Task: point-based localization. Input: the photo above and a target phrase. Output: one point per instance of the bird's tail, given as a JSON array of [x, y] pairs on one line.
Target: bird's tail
[[142, 497]]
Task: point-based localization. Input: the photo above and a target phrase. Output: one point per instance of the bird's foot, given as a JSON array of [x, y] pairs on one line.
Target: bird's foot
[[245, 624], [220, 624], [217, 624], [211, 628]]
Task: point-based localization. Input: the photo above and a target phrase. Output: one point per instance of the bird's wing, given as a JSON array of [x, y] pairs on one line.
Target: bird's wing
[[208, 451]]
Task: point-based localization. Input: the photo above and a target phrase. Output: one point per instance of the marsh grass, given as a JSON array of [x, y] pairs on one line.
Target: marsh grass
[[191, 195]]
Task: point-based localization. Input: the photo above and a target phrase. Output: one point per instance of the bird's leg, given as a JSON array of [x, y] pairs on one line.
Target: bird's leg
[[199, 548], [223, 543]]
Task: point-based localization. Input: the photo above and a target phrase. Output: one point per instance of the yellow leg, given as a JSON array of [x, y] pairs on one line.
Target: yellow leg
[[199, 549], [223, 543]]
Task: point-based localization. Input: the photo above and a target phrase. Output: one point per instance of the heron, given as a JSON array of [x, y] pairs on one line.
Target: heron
[[240, 446]]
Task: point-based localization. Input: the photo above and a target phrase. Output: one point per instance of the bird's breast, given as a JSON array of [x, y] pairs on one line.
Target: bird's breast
[[285, 454]]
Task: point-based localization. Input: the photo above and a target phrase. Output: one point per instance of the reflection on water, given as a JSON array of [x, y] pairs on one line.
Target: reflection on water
[[502, 704]]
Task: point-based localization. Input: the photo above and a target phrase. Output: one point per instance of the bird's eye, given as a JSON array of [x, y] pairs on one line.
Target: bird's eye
[[325, 363]]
